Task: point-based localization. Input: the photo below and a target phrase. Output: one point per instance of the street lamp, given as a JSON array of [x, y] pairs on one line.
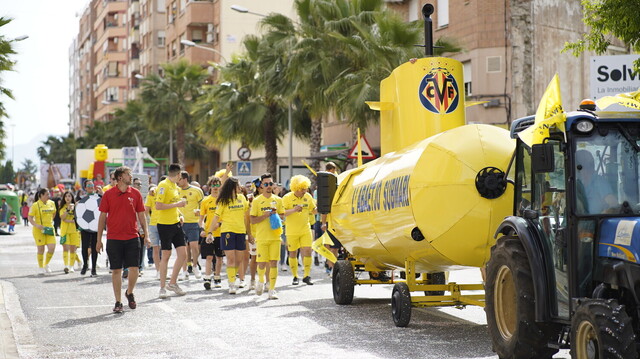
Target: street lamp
[[20, 38], [193, 44], [244, 10]]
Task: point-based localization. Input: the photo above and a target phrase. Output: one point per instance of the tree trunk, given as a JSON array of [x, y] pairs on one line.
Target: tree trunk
[[315, 144], [271, 144], [180, 144]]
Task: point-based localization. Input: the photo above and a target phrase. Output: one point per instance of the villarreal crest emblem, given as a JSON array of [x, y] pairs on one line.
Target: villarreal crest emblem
[[438, 91]]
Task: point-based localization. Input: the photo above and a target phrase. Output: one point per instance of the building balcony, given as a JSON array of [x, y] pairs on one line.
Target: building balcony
[[196, 13]]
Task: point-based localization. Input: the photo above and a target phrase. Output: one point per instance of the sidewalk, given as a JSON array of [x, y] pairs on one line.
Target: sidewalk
[[8, 348]]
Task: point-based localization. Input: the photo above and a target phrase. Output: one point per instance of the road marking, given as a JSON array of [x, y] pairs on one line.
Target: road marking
[[165, 307], [77, 306]]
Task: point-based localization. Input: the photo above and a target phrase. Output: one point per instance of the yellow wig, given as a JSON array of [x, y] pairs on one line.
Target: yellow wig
[[220, 173], [299, 183]]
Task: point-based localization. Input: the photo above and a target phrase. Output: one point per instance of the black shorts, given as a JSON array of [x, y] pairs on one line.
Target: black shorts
[[212, 249], [123, 253], [171, 234]]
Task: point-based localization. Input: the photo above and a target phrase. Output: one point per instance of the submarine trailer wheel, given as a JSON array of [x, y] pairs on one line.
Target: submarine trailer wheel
[[601, 328], [401, 304], [343, 282], [510, 304]]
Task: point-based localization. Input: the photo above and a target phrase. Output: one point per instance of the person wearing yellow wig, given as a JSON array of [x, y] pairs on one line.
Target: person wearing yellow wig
[[298, 207]]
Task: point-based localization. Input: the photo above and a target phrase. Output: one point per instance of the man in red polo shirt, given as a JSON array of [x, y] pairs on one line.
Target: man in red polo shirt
[[121, 209]]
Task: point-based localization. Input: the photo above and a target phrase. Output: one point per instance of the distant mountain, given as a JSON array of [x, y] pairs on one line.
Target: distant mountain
[[26, 150]]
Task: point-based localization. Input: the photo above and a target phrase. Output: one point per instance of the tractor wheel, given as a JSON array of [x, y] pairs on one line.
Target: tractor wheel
[[435, 278], [343, 282], [510, 304], [600, 328], [401, 305]]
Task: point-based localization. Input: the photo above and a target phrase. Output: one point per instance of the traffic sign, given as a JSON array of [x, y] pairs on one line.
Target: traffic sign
[[367, 152], [244, 153], [243, 168]]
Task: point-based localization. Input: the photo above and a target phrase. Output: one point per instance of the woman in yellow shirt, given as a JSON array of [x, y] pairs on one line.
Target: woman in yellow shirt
[[69, 236], [232, 209], [41, 218]]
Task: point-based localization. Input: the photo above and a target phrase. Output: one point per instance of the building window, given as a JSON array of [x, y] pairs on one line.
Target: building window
[[443, 13], [182, 37], [161, 5], [468, 76], [111, 95], [161, 39], [183, 5], [196, 35]]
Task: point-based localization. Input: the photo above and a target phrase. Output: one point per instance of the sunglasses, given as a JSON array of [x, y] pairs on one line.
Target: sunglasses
[[216, 185], [89, 186], [268, 184]]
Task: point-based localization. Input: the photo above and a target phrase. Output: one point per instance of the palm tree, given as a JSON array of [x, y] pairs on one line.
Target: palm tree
[[6, 64], [168, 100], [249, 104], [343, 49]]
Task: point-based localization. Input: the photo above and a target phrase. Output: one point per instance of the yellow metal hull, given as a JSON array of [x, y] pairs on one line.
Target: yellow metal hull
[[429, 185]]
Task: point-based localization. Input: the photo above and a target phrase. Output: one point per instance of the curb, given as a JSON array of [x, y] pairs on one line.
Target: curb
[[16, 340]]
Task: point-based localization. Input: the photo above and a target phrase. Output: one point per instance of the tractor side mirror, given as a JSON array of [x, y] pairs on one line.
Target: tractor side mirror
[[542, 158]]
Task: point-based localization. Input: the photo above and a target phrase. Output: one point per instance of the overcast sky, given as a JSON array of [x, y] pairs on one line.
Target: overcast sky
[[40, 82]]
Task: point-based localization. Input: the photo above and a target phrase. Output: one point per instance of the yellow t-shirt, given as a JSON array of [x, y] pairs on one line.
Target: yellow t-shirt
[[66, 228], [207, 210], [298, 222], [167, 193], [260, 205], [43, 213], [151, 203], [194, 196], [232, 215]]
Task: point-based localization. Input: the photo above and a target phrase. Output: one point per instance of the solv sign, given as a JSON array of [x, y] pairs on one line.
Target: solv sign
[[611, 75]]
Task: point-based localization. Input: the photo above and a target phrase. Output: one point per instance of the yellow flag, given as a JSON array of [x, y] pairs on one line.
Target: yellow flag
[[550, 113], [629, 99], [318, 246]]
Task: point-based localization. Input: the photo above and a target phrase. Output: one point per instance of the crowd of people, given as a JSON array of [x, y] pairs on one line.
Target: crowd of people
[[249, 228]]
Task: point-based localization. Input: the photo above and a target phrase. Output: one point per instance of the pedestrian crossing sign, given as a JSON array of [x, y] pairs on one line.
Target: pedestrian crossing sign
[[243, 168], [365, 148]]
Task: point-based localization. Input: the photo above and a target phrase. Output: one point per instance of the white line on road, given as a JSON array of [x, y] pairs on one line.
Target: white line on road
[[77, 306], [165, 307]]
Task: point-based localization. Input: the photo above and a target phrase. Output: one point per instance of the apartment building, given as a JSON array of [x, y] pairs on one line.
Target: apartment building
[[511, 50], [82, 58]]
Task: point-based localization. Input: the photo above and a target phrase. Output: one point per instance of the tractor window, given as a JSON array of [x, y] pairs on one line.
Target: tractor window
[[523, 189], [550, 203], [607, 180]]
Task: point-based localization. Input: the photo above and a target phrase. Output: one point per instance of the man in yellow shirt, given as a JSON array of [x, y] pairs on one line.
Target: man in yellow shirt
[[191, 214], [268, 239], [298, 207], [170, 229]]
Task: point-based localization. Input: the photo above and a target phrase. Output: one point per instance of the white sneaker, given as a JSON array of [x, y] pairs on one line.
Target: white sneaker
[[232, 288], [77, 266], [242, 284], [46, 268], [176, 289], [71, 270], [196, 272], [283, 268], [41, 271], [157, 274], [163, 293], [259, 288], [181, 276], [273, 294], [252, 286]]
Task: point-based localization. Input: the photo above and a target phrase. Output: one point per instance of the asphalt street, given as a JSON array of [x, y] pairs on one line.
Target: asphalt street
[[70, 316]]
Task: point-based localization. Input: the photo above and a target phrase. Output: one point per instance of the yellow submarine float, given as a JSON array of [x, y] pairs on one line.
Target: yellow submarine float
[[432, 202]]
